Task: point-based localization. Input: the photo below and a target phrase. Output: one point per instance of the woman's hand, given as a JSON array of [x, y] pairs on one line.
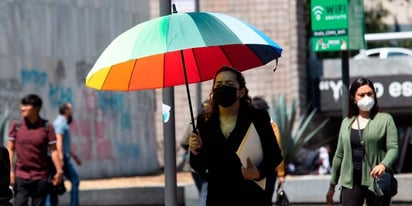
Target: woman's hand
[[281, 180], [378, 170], [250, 172], [195, 143]]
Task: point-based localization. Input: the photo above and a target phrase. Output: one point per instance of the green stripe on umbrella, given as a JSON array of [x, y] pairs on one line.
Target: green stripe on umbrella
[[214, 31]]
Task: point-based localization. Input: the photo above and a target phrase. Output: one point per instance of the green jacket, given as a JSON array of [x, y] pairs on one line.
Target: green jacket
[[380, 138]]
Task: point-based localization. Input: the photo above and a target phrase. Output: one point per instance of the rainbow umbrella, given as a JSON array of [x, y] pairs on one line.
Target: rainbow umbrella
[[180, 48]]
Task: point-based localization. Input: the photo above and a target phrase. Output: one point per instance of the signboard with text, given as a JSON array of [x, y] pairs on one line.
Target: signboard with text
[[337, 25], [393, 92]]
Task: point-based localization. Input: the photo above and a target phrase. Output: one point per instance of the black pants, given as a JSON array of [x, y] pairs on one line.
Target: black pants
[[34, 189], [358, 194], [270, 186]]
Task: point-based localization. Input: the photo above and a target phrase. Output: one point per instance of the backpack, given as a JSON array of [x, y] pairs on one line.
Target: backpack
[[46, 126]]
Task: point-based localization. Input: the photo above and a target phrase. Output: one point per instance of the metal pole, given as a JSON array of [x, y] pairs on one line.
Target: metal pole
[[345, 83], [198, 85], [197, 6], [169, 135]]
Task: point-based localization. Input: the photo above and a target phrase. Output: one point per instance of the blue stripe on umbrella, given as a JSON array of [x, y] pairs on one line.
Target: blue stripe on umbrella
[[264, 52], [267, 39]]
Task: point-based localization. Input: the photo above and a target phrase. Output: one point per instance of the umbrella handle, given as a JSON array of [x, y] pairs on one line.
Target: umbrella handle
[[174, 9], [192, 119]]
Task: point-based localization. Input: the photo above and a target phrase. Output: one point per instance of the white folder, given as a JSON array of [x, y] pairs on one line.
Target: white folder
[[251, 147]]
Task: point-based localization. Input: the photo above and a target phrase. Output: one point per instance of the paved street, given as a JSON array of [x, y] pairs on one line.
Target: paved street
[[149, 191]]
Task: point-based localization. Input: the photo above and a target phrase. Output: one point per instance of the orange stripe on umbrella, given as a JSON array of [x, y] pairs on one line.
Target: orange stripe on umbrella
[[148, 73], [118, 77]]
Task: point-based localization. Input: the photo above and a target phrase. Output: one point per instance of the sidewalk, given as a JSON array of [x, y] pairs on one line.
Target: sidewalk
[[149, 191], [136, 191], [137, 181]]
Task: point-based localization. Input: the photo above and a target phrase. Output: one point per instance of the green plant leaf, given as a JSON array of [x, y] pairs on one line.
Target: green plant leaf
[[294, 132], [4, 121]]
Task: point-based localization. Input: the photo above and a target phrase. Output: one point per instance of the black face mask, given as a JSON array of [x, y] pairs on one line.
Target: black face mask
[[225, 96]]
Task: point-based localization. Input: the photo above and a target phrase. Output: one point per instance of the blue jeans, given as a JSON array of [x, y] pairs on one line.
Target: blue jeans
[[203, 194], [71, 174]]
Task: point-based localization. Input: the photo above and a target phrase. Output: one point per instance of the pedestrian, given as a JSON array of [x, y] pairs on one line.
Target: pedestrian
[[32, 138], [199, 179], [5, 192], [366, 136], [62, 127], [214, 145], [260, 103], [324, 162]]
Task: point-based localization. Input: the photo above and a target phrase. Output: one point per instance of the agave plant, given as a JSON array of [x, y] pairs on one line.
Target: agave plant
[[294, 133], [4, 121]]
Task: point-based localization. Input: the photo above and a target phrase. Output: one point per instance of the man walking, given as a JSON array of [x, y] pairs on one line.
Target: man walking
[[32, 138], [62, 126]]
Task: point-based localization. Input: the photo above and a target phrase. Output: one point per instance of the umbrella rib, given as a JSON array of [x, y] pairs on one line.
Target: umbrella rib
[[131, 76], [106, 77], [197, 65], [227, 57]]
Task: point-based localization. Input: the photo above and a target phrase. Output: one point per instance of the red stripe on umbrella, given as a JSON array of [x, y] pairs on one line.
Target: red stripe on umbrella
[[241, 56], [209, 60]]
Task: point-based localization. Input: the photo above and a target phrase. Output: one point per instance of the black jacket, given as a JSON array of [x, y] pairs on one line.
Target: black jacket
[[5, 193], [218, 158]]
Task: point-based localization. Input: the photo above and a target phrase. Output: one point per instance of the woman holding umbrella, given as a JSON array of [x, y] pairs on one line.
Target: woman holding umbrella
[[219, 134]]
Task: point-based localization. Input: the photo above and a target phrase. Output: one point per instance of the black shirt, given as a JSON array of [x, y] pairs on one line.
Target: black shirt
[[357, 155]]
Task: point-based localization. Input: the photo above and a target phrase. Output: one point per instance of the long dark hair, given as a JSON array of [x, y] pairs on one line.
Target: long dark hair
[[353, 107], [246, 99]]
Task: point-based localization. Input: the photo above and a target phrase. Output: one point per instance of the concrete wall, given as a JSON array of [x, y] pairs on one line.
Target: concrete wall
[[368, 67], [47, 47]]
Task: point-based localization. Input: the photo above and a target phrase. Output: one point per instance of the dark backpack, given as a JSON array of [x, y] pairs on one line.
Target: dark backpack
[[46, 126]]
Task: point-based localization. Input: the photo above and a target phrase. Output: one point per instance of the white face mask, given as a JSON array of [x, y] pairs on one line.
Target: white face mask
[[366, 103]]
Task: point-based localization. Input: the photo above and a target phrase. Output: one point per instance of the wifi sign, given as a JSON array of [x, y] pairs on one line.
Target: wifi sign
[[330, 25], [329, 14], [317, 11]]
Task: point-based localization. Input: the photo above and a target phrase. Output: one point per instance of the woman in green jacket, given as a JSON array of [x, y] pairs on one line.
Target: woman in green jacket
[[378, 138]]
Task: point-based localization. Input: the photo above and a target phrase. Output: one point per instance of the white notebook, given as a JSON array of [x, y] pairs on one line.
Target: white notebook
[[251, 147]]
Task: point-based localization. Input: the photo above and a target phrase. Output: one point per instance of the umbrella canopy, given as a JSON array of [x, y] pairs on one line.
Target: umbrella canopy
[[177, 49]]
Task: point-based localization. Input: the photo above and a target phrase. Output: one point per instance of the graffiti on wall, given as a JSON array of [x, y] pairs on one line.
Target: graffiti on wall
[[36, 60], [96, 113], [33, 77]]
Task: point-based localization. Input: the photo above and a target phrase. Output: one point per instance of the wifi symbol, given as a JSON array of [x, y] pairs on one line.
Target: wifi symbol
[[317, 10]]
